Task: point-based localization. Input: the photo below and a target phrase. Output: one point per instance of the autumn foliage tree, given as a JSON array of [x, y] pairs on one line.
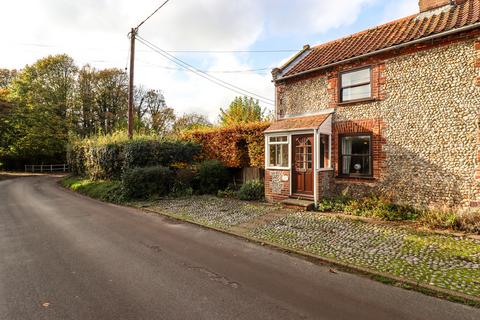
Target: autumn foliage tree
[[47, 102], [241, 110]]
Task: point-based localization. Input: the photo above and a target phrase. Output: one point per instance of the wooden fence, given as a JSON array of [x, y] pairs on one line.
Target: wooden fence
[[46, 168]]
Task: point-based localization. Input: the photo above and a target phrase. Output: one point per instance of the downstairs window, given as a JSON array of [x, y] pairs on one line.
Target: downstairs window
[[356, 155], [278, 152]]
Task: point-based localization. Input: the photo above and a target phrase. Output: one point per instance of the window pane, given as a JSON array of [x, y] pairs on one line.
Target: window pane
[[355, 77], [356, 165], [355, 93], [324, 148], [273, 155], [284, 162], [279, 139], [278, 155], [356, 158]]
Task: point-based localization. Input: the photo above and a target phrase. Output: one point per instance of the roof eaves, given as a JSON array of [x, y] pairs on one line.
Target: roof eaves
[[280, 71]]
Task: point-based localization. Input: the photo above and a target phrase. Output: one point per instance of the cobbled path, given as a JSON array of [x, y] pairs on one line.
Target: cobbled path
[[213, 211], [439, 260]]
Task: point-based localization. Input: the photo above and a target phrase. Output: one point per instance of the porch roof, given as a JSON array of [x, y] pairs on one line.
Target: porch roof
[[298, 123]]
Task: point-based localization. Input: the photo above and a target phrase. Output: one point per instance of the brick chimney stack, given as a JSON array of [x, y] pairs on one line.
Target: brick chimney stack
[[426, 5]]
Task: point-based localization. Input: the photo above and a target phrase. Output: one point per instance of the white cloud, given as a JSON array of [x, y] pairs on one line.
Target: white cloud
[[313, 15], [400, 9], [94, 31]]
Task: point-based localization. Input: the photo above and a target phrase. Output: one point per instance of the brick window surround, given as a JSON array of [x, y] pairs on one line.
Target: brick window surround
[[375, 128], [377, 81]]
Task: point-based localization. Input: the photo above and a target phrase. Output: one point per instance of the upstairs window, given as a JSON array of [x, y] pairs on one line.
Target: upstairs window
[[278, 152], [356, 85], [356, 155]]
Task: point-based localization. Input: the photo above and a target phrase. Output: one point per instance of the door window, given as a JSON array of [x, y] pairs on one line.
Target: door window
[[303, 154]]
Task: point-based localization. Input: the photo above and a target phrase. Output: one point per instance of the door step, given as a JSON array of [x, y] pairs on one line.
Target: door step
[[305, 205]]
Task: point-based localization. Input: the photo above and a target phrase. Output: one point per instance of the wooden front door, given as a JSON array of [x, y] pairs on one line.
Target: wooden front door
[[303, 164]]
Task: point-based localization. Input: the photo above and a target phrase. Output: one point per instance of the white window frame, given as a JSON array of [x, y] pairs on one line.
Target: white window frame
[[267, 150], [325, 129], [342, 87]]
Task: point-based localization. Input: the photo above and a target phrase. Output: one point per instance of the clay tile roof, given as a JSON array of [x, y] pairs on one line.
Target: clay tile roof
[[388, 35], [302, 123]]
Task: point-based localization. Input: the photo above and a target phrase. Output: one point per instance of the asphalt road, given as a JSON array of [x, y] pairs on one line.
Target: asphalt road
[[64, 256]]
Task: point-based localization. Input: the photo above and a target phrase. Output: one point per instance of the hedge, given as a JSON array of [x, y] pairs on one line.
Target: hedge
[[143, 183], [109, 157], [236, 146]]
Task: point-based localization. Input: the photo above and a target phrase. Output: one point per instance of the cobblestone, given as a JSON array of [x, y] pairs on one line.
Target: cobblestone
[[439, 260], [213, 211]]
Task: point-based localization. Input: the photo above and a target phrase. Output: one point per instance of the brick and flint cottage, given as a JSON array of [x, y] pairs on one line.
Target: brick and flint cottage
[[393, 111]]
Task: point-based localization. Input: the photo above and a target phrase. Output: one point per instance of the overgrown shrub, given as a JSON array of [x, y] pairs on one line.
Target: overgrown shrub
[[76, 159], [104, 161], [143, 183], [212, 176], [229, 192], [332, 205], [184, 182], [468, 221], [251, 190], [371, 206], [143, 153], [107, 157], [438, 218], [237, 146]]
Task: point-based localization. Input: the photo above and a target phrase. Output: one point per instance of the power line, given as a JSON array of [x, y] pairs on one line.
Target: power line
[[169, 51], [203, 74], [232, 51], [160, 7], [211, 71], [210, 78]]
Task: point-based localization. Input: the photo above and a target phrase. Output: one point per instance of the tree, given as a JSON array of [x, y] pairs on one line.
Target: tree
[[6, 77], [111, 98], [241, 110], [43, 98], [7, 132], [190, 121], [86, 111], [161, 116], [46, 103]]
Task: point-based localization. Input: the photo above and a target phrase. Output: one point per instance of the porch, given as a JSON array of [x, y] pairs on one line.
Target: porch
[[298, 158]]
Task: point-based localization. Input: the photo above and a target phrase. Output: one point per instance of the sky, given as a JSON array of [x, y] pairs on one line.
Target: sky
[[95, 32]]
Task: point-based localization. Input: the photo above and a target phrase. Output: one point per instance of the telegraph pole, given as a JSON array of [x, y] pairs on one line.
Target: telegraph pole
[[133, 33]]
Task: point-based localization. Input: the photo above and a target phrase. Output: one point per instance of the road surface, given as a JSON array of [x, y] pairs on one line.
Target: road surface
[[64, 256]]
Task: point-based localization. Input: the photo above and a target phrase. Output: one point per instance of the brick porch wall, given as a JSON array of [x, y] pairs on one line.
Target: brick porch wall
[[275, 188], [325, 184]]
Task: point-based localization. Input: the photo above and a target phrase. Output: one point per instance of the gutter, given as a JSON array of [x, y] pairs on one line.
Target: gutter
[[399, 46]]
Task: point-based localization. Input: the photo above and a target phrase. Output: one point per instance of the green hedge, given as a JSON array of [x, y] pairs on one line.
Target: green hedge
[[143, 183], [252, 190], [108, 158], [212, 176]]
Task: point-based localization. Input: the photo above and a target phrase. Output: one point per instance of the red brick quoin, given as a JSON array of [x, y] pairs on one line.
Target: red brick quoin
[[477, 64]]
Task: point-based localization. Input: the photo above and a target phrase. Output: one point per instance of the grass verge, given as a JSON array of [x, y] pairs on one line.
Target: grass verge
[[109, 191]]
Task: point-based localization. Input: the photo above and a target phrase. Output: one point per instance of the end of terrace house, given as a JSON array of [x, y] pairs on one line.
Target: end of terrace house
[[393, 110]]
